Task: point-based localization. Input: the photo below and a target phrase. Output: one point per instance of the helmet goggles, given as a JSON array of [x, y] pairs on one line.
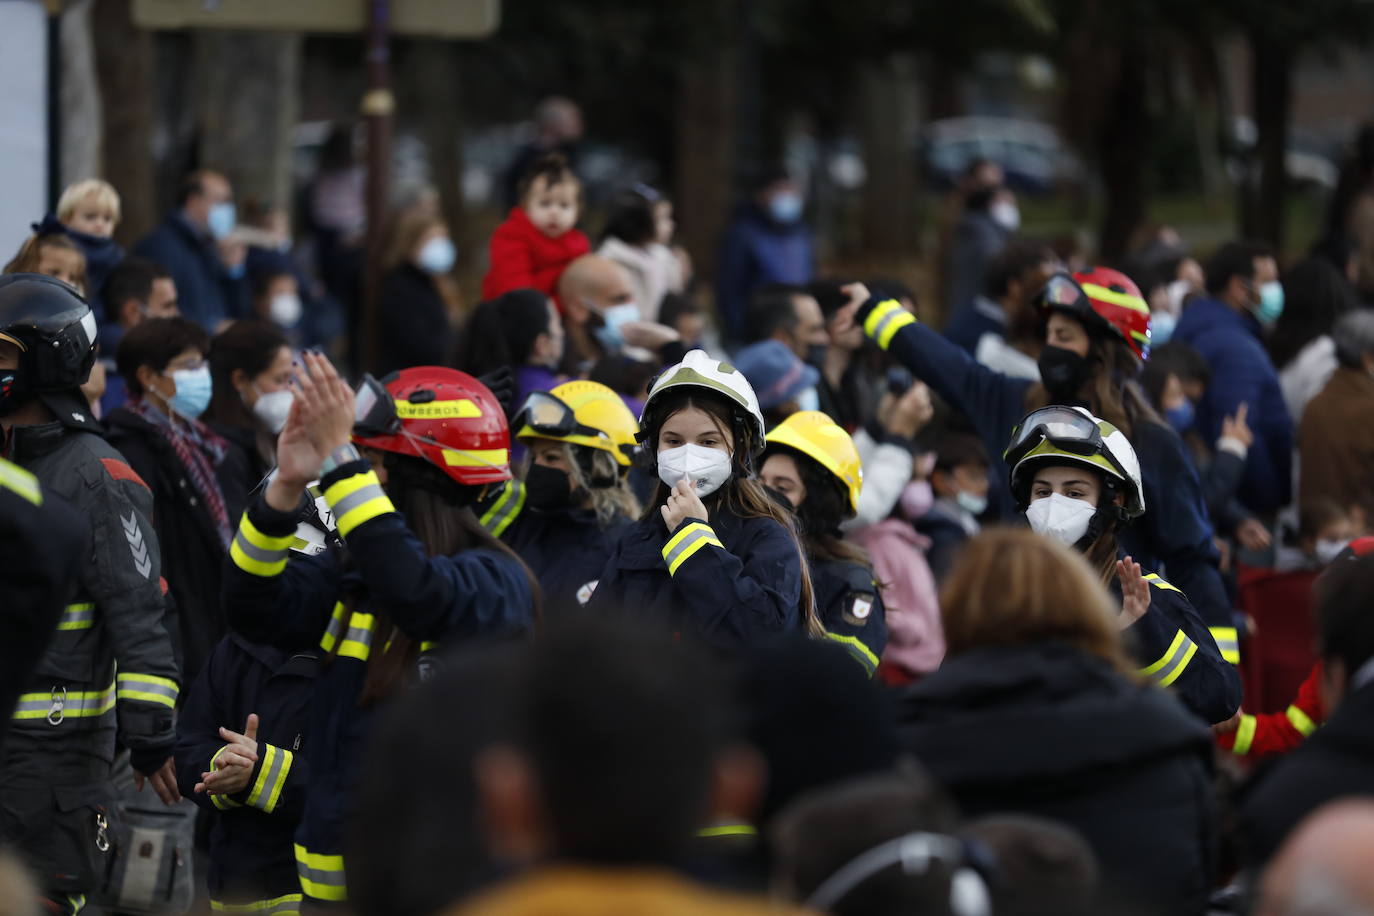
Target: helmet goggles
[[374, 410], [1063, 292], [546, 415], [1065, 428]]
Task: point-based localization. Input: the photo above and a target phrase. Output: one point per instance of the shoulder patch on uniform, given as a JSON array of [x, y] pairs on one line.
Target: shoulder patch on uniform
[[858, 607], [120, 470], [584, 594]]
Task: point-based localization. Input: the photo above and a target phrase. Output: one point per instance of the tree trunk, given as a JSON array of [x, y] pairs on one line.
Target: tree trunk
[[1271, 80], [887, 114], [124, 66], [1123, 144], [80, 96], [247, 110], [706, 121]]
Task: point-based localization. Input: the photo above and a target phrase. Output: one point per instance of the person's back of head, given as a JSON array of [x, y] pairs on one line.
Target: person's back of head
[[128, 287], [1043, 867], [631, 218], [1009, 270], [1178, 359], [1354, 339], [824, 847], [1011, 586], [1345, 627], [771, 310], [1315, 296], [502, 331], [619, 732], [1323, 868]]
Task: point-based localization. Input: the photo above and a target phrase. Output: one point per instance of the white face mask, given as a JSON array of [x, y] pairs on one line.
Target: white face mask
[[1005, 214], [1059, 517], [706, 468], [810, 399], [285, 309], [1327, 551], [272, 409]]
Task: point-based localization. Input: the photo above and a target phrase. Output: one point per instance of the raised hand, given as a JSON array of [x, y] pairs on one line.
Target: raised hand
[[1135, 593], [682, 503], [235, 761]]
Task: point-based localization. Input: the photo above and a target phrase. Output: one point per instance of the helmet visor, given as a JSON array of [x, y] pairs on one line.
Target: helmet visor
[[1062, 292], [547, 416], [1066, 428], [374, 410]]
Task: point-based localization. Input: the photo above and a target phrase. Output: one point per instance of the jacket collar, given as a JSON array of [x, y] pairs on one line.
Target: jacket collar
[[27, 443]]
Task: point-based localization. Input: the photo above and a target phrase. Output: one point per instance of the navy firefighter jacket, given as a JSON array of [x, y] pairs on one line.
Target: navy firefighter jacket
[[338, 602], [729, 582]]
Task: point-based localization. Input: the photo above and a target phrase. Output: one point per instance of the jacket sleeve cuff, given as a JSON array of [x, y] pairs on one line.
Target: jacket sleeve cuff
[[884, 319], [355, 496], [269, 777], [692, 535], [263, 540], [1233, 446]]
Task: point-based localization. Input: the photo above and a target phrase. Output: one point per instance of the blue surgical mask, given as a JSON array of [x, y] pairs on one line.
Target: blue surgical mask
[[1181, 417], [437, 256], [1271, 302], [973, 505], [193, 392], [1162, 326], [809, 399], [785, 207], [222, 219]]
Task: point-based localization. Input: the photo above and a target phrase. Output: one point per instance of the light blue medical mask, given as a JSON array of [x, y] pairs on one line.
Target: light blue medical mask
[[222, 220], [1162, 325], [809, 399], [785, 207], [973, 505], [437, 256], [193, 392], [1271, 302]]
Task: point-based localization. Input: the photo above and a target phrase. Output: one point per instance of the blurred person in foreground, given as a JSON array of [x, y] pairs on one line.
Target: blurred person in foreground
[[621, 746], [1338, 759], [1323, 870], [1036, 710], [1096, 331], [768, 241]]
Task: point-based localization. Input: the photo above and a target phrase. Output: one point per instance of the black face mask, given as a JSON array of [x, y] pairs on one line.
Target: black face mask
[[815, 355], [1063, 372], [12, 393], [546, 488]]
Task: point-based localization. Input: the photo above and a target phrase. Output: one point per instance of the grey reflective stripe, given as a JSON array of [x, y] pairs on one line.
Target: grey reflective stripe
[[355, 499], [319, 875], [77, 617], [1227, 643], [885, 321], [686, 543], [336, 625], [135, 683], [1173, 666], [73, 704], [254, 552], [262, 794]]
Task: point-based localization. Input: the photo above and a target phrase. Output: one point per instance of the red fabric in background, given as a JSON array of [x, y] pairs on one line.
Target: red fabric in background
[[1279, 655]]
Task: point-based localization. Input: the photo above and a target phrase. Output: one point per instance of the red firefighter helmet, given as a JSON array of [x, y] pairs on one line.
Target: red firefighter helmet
[[1105, 300], [443, 416]]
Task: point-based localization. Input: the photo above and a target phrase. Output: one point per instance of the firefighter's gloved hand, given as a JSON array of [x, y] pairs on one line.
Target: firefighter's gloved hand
[[501, 384], [148, 760]]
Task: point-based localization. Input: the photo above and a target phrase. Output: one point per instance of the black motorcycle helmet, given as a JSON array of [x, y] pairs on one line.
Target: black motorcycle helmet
[[53, 328]]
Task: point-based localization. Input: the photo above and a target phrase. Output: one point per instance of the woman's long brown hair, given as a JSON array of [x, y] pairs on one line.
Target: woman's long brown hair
[[429, 500], [742, 495]]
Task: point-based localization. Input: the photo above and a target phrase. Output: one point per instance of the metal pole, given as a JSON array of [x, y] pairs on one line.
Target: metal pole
[[377, 107], [54, 104]]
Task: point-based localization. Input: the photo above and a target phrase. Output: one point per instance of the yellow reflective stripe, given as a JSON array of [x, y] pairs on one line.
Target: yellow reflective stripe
[[1301, 721], [1168, 668], [686, 542], [259, 554], [357, 499], [1228, 643], [335, 628], [224, 802], [477, 458], [428, 646], [66, 704], [20, 482], [1157, 582], [77, 902], [856, 648], [287, 903], [77, 617], [886, 319], [357, 638], [1245, 734], [148, 687], [1125, 300], [267, 788], [728, 830], [506, 508], [322, 876]]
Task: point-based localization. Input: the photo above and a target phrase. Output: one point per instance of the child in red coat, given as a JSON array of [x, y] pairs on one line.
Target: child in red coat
[[537, 241]]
